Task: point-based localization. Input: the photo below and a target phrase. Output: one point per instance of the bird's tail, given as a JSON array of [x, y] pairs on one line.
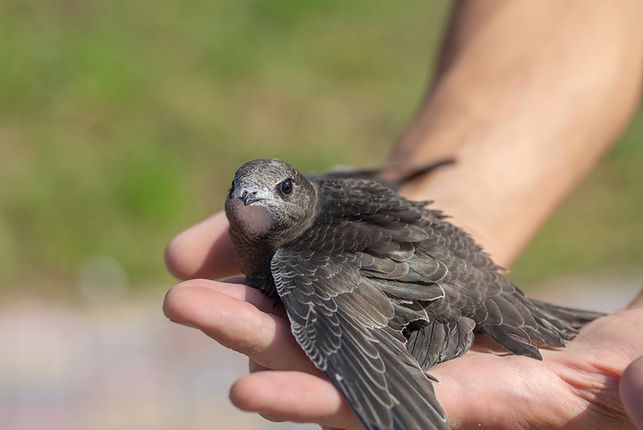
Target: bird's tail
[[576, 318], [541, 325]]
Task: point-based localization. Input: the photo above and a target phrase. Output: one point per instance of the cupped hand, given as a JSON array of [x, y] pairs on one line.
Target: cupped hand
[[576, 387]]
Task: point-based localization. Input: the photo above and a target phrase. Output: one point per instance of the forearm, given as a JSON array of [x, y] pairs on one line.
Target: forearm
[[528, 96]]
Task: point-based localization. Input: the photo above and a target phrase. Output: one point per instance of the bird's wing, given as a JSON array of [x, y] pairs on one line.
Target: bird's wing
[[341, 320], [394, 175]]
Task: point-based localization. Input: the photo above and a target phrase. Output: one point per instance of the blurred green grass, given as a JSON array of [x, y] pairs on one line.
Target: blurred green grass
[[122, 122]]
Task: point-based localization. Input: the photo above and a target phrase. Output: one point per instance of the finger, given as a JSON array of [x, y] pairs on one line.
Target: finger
[[637, 302], [203, 251], [293, 396], [253, 366], [236, 324], [235, 288], [631, 391]]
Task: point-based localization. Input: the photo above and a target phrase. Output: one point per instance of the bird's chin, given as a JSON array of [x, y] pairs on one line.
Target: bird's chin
[[255, 218]]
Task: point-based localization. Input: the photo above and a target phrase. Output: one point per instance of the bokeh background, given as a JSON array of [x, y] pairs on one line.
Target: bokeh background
[[122, 122]]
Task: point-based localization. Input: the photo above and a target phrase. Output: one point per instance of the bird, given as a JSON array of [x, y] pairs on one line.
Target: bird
[[379, 288]]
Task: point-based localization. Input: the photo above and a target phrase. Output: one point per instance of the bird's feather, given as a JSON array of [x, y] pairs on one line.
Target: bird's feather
[[340, 318]]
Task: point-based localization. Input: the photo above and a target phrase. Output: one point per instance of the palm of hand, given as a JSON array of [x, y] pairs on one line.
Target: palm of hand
[[576, 387]]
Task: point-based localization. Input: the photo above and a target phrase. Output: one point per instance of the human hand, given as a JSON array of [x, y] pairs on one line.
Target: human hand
[[576, 387]]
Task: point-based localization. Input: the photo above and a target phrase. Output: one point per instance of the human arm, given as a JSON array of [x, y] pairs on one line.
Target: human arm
[[528, 97]]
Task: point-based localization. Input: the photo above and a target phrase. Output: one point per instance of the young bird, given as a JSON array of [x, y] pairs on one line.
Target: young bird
[[378, 288]]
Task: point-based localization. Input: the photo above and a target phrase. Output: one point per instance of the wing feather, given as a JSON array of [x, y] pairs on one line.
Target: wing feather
[[341, 320]]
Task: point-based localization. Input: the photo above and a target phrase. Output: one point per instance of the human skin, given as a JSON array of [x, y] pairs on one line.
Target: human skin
[[528, 96], [631, 391]]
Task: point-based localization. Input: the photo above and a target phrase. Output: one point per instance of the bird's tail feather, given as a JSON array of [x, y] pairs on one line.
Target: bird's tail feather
[[541, 325], [577, 318]]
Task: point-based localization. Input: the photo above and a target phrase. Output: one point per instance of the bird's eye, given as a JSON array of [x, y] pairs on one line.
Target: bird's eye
[[286, 186]]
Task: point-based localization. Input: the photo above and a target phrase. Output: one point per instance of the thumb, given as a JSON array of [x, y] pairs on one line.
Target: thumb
[[631, 389]]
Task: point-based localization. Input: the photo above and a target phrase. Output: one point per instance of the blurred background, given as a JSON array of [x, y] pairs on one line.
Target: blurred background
[[122, 122]]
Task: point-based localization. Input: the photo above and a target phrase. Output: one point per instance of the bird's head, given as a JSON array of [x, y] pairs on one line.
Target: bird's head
[[270, 198]]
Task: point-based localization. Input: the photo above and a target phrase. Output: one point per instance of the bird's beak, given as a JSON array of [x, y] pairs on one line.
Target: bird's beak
[[248, 197]]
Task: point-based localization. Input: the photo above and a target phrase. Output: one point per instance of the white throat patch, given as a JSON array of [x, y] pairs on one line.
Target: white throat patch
[[255, 219]]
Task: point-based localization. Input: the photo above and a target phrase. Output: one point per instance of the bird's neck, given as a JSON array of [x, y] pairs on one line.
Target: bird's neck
[[254, 256]]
